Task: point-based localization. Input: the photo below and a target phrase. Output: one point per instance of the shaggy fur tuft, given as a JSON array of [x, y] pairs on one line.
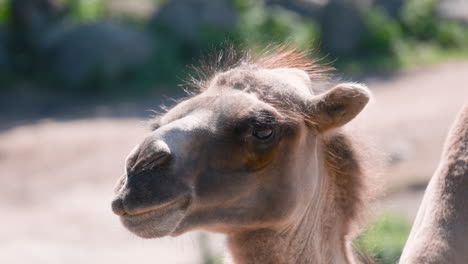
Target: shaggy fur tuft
[[272, 57]]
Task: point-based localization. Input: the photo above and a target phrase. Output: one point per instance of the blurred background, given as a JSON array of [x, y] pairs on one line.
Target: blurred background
[[78, 79]]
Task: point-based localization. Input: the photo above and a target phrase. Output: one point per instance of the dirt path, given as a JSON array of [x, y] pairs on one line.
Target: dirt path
[[410, 117], [57, 176]]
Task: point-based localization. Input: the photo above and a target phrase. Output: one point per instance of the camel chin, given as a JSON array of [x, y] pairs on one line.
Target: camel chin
[[157, 223]]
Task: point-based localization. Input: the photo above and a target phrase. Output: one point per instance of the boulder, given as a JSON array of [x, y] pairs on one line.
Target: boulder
[[390, 7], [4, 52], [187, 18], [76, 54], [30, 20], [73, 53], [307, 8], [343, 26]]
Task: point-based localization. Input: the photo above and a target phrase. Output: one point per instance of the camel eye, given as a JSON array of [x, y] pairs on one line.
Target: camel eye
[[263, 134]]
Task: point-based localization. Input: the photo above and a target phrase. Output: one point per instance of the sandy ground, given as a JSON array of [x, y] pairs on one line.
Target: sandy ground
[[57, 177]]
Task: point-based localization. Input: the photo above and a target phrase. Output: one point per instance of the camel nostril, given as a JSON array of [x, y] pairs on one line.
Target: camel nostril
[[150, 154], [118, 208], [161, 159], [148, 162]]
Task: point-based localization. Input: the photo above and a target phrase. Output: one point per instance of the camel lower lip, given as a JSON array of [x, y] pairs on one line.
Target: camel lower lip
[[156, 209], [157, 222]]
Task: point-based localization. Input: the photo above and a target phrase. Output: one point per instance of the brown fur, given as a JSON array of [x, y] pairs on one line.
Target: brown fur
[[439, 233], [297, 200], [348, 176], [272, 57]]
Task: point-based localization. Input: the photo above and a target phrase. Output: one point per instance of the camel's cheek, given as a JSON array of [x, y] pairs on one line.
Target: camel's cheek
[[259, 160], [259, 157]]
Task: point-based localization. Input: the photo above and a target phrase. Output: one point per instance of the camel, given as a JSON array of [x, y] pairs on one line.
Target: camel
[[440, 232], [258, 153]]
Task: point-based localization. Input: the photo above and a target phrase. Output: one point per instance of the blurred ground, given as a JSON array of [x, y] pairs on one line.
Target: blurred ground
[[57, 177]]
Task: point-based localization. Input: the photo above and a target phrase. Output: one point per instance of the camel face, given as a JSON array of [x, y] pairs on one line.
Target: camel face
[[233, 157], [212, 157]]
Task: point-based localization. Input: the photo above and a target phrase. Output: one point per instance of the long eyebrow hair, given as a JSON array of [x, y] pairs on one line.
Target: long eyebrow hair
[[272, 57], [263, 118]]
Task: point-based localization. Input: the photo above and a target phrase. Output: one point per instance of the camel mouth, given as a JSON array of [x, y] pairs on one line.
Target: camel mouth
[[169, 204], [157, 222]]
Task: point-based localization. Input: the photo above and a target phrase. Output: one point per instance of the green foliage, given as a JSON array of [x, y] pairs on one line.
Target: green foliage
[[383, 32], [259, 25], [4, 11], [421, 22], [214, 260], [384, 238], [87, 10], [452, 35], [207, 256], [419, 18], [417, 37]]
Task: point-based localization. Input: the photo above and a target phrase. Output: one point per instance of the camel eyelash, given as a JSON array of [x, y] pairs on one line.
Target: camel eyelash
[[260, 120], [264, 119]]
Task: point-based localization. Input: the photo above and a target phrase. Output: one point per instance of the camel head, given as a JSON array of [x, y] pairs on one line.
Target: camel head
[[241, 154]]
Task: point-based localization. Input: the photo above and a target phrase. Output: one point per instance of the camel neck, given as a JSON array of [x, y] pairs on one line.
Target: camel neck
[[302, 245], [439, 231], [315, 233]]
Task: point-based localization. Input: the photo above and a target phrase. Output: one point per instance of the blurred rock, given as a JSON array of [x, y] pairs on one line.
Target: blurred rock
[[31, 20], [343, 26], [187, 18], [79, 53], [453, 10], [45, 41], [315, 8], [309, 8], [390, 7], [139, 8], [4, 53], [342, 21]]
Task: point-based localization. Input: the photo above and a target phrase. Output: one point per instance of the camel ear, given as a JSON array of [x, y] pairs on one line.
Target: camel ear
[[337, 106]]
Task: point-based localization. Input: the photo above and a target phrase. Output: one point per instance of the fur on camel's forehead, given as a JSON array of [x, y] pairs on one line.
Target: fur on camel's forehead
[[279, 76], [242, 70]]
